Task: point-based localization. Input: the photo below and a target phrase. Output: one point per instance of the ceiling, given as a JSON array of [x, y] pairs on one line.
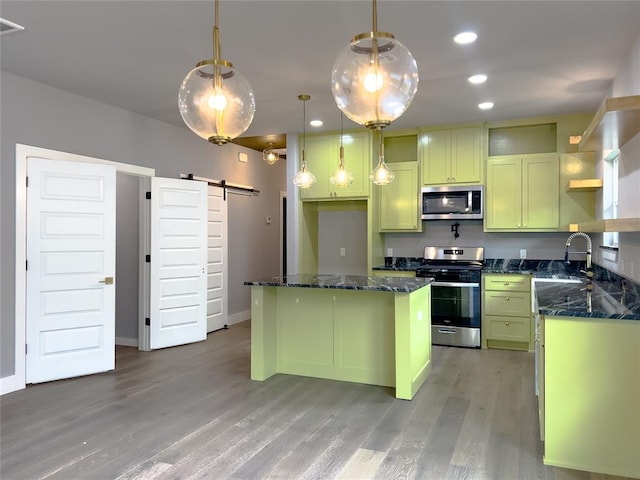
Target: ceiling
[[542, 57]]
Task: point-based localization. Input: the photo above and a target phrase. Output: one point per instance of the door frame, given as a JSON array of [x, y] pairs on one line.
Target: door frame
[[17, 381]]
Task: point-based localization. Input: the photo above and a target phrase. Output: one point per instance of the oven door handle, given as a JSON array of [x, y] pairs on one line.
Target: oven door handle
[[454, 284], [449, 331]]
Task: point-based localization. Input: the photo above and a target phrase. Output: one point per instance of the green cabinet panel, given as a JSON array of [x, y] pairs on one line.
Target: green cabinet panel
[[395, 273], [523, 193], [373, 337], [399, 202], [451, 156], [591, 395], [322, 153], [506, 312]]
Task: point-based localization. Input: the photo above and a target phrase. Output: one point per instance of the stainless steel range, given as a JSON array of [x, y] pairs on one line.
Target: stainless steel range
[[455, 294]]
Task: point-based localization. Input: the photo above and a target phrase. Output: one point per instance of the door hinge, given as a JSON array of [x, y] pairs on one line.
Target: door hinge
[[148, 195], [26, 348], [147, 322], [147, 258], [26, 264], [27, 181]]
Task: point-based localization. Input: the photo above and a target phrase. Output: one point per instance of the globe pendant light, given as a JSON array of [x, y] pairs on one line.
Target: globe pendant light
[[341, 177], [382, 174], [304, 178], [375, 78], [216, 102], [269, 155]]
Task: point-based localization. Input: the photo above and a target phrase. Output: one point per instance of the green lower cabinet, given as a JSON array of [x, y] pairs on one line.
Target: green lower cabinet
[[591, 403], [506, 312], [399, 202], [373, 337], [523, 193]]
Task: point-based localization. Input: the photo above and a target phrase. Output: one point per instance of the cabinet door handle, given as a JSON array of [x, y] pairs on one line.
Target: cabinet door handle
[[506, 284], [506, 323]]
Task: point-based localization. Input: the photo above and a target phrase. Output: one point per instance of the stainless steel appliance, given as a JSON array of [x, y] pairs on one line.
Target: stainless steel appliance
[[452, 202], [455, 294]]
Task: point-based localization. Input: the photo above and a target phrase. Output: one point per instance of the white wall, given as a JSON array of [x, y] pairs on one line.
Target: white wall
[[626, 83], [36, 114]]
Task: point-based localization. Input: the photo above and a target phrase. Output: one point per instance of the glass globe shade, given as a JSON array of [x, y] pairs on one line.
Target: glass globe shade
[[382, 175], [270, 156], [304, 178], [373, 91], [217, 107], [341, 177]]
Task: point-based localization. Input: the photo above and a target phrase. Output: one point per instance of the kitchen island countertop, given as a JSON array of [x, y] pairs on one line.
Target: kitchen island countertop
[[345, 282]]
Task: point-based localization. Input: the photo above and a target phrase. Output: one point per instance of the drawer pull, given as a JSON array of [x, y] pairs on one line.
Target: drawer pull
[[506, 323], [507, 299], [506, 284]]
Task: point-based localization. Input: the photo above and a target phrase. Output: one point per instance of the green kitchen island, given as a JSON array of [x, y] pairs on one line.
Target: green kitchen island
[[343, 327]]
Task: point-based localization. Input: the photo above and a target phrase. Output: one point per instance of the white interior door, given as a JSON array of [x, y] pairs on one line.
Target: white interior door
[[178, 290], [216, 260], [70, 291]]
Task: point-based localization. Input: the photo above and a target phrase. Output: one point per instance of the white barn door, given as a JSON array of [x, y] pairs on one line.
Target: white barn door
[[217, 260], [178, 287], [70, 290]]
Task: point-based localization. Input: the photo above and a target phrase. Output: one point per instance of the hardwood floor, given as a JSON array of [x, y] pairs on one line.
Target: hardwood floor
[[192, 412]]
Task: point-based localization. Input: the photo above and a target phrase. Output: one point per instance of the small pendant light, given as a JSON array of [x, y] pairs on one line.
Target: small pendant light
[[269, 155], [382, 174], [341, 177], [304, 178]]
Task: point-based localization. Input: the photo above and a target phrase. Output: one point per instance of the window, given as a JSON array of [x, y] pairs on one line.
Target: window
[[610, 196]]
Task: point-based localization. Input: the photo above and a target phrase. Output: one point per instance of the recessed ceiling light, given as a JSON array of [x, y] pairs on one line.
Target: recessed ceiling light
[[465, 38], [477, 79], [315, 123], [485, 105]]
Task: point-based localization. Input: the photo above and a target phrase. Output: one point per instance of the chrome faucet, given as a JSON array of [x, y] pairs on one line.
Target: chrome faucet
[[589, 270]]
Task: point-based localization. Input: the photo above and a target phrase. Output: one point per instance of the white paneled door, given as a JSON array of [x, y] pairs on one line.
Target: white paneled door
[[216, 260], [178, 289], [70, 286]]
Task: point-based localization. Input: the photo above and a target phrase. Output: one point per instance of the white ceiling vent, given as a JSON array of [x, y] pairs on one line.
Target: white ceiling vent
[[7, 27]]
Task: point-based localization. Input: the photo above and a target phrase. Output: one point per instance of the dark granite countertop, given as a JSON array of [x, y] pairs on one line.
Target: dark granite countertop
[[603, 300], [560, 287], [346, 282]]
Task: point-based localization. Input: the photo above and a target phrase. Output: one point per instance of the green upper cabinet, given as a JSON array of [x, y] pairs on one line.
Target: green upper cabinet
[[451, 156], [398, 202], [323, 155], [522, 193]]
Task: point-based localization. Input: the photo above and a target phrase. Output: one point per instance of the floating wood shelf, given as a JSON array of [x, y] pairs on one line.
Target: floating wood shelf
[[585, 184], [615, 123], [610, 225]]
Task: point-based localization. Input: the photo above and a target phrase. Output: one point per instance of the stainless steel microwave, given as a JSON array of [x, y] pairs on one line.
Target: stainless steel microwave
[[452, 202]]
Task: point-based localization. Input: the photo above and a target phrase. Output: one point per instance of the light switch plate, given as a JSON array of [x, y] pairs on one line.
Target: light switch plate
[[523, 253]]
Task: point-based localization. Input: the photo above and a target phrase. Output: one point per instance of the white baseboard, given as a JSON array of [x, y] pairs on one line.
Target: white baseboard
[[11, 384], [127, 342], [238, 317]]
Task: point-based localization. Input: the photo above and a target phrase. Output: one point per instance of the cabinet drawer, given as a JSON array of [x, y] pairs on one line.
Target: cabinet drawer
[[507, 283], [507, 303], [508, 329]]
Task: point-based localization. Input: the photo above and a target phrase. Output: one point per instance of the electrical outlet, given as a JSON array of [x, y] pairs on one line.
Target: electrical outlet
[[343, 252], [389, 252], [523, 253]]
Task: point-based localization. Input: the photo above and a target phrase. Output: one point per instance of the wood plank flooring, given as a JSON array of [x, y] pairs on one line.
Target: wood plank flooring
[[192, 412]]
